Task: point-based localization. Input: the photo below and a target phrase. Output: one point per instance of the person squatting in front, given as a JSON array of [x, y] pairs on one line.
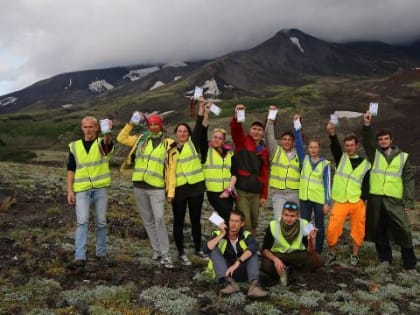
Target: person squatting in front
[[154, 172], [233, 256], [283, 249]]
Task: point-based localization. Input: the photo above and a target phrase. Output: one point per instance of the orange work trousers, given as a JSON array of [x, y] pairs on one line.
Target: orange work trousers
[[339, 213]]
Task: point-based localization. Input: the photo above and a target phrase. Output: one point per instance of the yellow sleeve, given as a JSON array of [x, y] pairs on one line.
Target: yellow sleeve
[[124, 136]]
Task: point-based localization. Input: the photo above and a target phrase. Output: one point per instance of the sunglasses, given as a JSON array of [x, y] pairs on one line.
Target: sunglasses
[[289, 205]]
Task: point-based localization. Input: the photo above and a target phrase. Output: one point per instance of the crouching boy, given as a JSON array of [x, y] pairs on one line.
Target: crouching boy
[[283, 246], [233, 256]]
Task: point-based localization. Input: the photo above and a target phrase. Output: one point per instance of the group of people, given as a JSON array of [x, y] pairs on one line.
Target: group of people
[[237, 182]]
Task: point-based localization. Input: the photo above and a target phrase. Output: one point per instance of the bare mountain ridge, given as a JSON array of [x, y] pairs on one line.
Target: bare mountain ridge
[[286, 58]]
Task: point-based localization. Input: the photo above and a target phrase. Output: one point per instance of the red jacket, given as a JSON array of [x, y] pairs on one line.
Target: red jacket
[[251, 164]]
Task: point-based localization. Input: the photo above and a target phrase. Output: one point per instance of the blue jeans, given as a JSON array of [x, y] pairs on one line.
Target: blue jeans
[[306, 208], [83, 201]]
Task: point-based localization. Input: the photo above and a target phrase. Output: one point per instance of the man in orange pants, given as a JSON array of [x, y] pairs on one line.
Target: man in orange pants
[[350, 189]]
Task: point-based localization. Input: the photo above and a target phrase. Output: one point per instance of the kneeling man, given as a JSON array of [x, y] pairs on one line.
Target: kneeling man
[[283, 246], [233, 256]]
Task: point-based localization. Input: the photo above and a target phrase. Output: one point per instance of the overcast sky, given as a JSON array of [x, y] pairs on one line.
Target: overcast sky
[[42, 38]]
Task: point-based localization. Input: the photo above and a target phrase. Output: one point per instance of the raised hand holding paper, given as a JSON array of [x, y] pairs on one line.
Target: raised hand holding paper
[[198, 92], [373, 108], [297, 124], [240, 115], [105, 125], [334, 119], [272, 113], [215, 109], [216, 219], [136, 118]]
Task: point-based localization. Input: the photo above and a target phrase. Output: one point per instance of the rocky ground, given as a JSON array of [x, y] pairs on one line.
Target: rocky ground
[[36, 246]]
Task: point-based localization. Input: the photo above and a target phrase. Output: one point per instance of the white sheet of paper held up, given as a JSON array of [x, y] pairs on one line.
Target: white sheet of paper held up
[[216, 219], [215, 109], [198, 91], [297, 125], [240, 115], [272, 114], [373, 108], [334, 119]]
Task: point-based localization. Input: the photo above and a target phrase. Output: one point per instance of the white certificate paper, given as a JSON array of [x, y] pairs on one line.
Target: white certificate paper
[[216, 219], [240, 115], [272, 114], [373, 108], [215, 109], [297, 125], [334, 119], [198, 92]]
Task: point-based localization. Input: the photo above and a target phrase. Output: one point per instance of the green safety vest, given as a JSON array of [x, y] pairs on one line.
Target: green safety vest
[[284, 173], [386, 178], [217, 170], [222, 245], [347, 184], [188, 167], [92, 169], [311, 186], [149, 164], [280, 245]]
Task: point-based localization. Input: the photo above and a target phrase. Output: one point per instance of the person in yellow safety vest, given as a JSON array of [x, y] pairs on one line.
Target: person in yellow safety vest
[[314, 184], [233, 256], [285, 167], [216, 157], [153, 174], [189, 190], [283, 249], [349, 191], [88, 178], [391, 196]]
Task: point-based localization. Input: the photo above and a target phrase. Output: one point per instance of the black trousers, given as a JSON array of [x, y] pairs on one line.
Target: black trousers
[[223, 206], [179, 209], [383, 248]]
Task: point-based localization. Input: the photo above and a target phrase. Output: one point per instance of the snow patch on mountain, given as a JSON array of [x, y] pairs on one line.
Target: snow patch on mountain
[[210, 87], [69, 85], [296, 42], [177, 77], [157, 84], [7, 101], [137, 74], [175, 64], [67, 105], [100, 86]]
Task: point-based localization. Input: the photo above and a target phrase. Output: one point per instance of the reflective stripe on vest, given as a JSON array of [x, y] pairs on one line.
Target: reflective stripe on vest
[[284, 173], [386, 178], [188, 167], [347, 185], [311, 186], [280, 244], [149, 164], [217, 170], [222, 245], [92, 169]]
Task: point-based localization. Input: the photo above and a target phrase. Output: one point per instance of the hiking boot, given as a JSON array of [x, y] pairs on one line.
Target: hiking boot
[[331, 257], [354, 260], [231, 287], [167, 262], [300, 281], [77, 264], [103, 261], [256, 292], [201, 254], [184, 260], [156, 255]]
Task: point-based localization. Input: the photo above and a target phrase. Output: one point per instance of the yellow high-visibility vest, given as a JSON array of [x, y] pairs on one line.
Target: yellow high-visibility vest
[[188, 167], [92, 169], [150, 163], [280, 244], [311, 186], [386, 178], [284, 173], [217, 170], [347, 184]]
